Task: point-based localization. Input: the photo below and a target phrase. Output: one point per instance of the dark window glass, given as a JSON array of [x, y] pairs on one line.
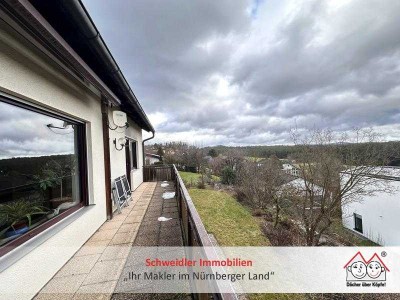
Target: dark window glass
[[40, 168], [133, 148], [131, 155], [358, 223]]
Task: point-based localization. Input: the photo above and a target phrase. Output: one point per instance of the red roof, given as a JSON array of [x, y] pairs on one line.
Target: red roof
[[366, 261]]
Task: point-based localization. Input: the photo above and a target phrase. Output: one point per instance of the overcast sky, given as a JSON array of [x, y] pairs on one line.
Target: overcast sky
[[25, 133], [245, 72]]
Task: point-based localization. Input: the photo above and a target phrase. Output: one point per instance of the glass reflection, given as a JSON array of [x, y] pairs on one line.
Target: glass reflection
[[39, 169]]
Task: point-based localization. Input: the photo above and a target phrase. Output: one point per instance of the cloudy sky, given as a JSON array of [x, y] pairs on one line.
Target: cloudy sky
[[246, 72]]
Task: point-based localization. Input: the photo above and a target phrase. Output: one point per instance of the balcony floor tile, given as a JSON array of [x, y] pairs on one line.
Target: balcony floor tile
[[102, 261]]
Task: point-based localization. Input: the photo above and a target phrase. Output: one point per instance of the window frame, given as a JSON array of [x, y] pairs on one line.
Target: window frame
[[360, 222], [83, 171], [130, 141]]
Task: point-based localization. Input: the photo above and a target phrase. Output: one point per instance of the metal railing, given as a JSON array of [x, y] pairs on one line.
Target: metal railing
[[193, 231]]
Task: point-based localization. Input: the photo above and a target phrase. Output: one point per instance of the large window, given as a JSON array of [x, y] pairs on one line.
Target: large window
[[42, 170]]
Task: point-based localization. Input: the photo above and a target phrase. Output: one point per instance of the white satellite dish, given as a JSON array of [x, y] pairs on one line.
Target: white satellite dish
[[119, 118]]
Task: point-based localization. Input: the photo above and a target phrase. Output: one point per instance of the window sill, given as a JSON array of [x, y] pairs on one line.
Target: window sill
[[20, 251]]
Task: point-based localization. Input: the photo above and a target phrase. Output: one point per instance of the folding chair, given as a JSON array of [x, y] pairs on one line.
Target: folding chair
[[127, 188], [120, 196]]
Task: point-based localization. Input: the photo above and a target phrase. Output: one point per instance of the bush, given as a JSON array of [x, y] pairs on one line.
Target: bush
[[201, 184], [241, 196], [228, 175], [268, 216], [258, 212], [285, 234]]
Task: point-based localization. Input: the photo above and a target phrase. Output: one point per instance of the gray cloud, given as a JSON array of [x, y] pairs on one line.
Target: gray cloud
[[245, 72], [26, 134]]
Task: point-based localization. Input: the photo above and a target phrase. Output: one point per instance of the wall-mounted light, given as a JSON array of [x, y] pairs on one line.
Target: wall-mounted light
[[121, 142]]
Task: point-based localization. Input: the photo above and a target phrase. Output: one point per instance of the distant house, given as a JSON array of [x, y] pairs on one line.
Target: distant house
[[376, 216], [151, 159], [262, 162], [291, 169], [302, 188]]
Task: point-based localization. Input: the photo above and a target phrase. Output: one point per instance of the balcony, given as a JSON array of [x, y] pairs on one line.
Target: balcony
[[100, 264]]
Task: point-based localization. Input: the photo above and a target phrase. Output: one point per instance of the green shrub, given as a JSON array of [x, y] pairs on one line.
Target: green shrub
[[228, 175], [201, 184]]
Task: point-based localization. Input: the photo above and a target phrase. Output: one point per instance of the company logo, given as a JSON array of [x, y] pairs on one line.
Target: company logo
[[362, 272]]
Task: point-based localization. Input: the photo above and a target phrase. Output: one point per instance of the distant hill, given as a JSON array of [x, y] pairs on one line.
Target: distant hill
[[281, 151], [20, 170], [284, 151]]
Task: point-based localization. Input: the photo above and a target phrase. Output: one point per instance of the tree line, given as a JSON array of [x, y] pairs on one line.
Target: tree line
[[334, 170]]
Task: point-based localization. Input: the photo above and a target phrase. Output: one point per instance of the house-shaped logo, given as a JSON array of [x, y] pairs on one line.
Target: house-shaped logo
[[360, 269]]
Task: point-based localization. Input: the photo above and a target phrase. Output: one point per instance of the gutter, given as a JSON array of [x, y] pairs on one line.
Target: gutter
[[79, 16], [143, 153], [26, 20], [35, 28]]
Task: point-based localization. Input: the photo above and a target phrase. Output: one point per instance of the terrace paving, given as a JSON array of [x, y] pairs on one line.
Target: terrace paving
[[101, 262]]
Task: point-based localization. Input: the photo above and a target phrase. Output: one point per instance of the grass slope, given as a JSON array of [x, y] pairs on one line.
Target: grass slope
[[189, 177], [192, 178], [232, 225], [230, 222]]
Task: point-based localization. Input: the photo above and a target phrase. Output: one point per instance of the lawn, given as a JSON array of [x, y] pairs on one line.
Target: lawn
[[229, 221], [232, 225], [190, 178]]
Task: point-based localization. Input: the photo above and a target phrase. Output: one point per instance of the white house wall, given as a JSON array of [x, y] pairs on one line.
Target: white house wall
[[380, 216], [27, 74], [118, 158]]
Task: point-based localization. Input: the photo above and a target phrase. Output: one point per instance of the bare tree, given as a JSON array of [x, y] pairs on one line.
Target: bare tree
[[233, 157], [335, 171], [173, 153], [216, 164], [197, 157], [262, 185]]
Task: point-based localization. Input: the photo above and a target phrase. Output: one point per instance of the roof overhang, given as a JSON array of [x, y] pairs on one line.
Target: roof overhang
[[59, 27]]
